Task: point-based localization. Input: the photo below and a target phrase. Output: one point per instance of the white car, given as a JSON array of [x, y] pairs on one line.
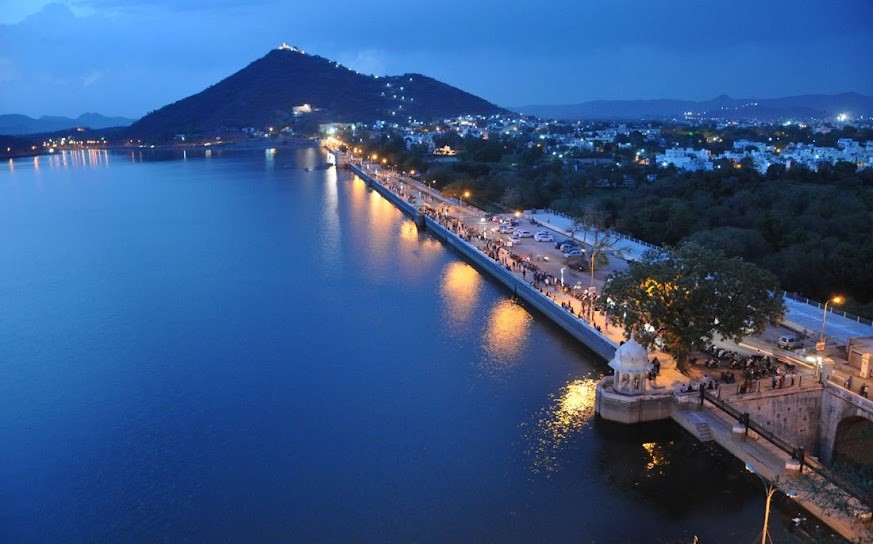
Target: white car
[[573, 251], [523, 234], [544, 237], [514, 240], [507, 229]]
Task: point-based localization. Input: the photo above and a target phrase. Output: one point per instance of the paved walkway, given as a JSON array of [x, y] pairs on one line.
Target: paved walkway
[[799, 316], [547, 260]]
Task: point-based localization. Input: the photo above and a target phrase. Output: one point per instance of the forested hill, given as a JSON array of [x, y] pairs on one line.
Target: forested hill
[[264, 93]]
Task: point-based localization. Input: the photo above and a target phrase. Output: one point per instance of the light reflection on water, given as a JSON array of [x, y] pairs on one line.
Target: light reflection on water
[[658, 459], [568, 412], [459, 287], [331, 232], [505, 336]]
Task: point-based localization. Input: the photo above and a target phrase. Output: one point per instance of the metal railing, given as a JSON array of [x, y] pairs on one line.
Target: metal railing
[[831, 309], [861, 494]]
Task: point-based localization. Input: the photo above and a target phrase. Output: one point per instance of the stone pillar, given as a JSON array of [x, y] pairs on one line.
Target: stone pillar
[[792, 468], [738, 433]]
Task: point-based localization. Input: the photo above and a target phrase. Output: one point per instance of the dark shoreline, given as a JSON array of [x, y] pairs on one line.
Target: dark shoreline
[[241, 145]]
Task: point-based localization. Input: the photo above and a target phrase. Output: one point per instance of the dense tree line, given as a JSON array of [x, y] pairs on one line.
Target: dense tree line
[[812, 229]]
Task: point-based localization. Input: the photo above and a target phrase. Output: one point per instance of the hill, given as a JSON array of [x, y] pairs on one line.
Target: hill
[[16, 125], [810, 106], [263, 94]]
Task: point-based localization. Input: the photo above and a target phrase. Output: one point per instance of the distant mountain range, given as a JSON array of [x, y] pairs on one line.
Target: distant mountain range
[[265, 92], [16, 125], [807, 106]]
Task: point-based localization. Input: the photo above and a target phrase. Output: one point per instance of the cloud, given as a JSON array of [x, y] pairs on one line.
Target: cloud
[[92, 76]]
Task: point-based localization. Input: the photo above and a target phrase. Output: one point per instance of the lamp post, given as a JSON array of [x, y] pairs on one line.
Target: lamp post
[[562, 276], [824, 318], [769, 490], [465, 195]]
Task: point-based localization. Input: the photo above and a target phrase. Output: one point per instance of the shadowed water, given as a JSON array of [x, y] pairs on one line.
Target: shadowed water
[[217, 347]]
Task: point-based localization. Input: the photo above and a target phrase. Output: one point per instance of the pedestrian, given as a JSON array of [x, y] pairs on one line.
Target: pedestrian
[[865, 390]]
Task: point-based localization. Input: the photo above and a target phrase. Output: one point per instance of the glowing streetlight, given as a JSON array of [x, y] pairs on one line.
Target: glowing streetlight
[[769, 489], [821, 338], [562, 276], [465, 195], [373, 157]]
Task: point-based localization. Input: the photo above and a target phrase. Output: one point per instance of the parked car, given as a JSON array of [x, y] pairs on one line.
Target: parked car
[[543, 237], [506, 228], [560, 243], [789, 341], [514, 240], [577, 262], [523, 233], [573, 251]]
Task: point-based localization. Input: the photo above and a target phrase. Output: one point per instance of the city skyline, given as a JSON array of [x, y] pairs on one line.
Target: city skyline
[[77, 56]]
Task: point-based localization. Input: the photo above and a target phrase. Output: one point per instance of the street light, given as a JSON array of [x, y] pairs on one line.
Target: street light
[[562, 276], [821, 339], [769, 490], [465, 195]]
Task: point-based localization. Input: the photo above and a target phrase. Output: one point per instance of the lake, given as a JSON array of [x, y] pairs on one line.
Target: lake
[[212, 346]]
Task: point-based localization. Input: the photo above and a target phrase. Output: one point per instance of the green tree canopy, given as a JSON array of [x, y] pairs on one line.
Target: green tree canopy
[[680, 298]]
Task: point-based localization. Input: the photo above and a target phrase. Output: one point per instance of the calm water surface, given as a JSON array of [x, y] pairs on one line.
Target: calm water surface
[[228, 348]]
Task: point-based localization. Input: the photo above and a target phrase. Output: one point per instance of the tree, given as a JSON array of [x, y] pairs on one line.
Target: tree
[[680, 298], [597, 234]]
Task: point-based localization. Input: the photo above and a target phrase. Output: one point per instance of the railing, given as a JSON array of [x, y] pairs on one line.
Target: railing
[[862, 495], [831, 309]]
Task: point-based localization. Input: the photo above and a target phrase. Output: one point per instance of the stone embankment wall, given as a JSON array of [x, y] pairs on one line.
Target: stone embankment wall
[[613, 406], [838, 404], [580, 330], [792, 414]]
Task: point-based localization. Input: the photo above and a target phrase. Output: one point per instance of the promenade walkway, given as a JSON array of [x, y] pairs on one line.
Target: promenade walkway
[[799, 316], [467, 222]]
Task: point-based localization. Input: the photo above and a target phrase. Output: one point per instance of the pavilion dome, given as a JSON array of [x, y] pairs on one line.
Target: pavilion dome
[[630, 357]]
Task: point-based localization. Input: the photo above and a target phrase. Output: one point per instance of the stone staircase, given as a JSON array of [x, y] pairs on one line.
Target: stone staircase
[[703, 432]]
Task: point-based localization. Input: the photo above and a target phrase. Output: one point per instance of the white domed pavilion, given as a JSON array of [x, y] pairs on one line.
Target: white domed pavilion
[[631, 366]]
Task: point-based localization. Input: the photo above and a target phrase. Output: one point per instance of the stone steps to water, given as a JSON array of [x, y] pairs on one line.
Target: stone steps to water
[[703, 432]]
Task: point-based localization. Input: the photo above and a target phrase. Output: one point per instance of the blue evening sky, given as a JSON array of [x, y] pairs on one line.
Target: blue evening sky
[[127, 57]]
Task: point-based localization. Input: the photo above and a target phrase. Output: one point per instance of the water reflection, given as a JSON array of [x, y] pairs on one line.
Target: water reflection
[[408, 232], [459, 287], [567, 414], [330, 223], [658, 458], [505, 336]]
